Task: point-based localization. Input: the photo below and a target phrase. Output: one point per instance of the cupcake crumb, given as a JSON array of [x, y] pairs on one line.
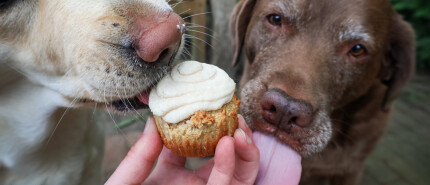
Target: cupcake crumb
[[200, 118], [199, 135]]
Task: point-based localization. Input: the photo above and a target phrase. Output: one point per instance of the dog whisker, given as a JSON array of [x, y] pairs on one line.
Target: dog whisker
[[187, 53], [184, 12], [198, 48], [194, 37], [110, 115], [195, 25], [19, 71], [95, 108], [203, 13], [110, 43], [134, 108], [122, 99], [204, 33], [59, 121], [176, 4], [185, 50]]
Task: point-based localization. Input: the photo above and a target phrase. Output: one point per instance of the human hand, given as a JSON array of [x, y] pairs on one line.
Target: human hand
[[236, 161]]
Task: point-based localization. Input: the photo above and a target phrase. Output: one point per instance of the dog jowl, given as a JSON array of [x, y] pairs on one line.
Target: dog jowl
[[320, 76]]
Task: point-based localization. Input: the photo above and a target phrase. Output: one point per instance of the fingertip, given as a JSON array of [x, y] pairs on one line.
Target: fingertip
[[244, 126], [242, 137], [226, 143], [245, 147], [241, 119], [151, 132], [224, 150], [150, 126]]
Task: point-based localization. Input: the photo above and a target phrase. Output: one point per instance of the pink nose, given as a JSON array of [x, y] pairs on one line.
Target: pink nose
[[160, 40]]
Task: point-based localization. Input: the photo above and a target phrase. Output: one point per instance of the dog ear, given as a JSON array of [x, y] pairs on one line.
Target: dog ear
[[239, 23], [400, 61]]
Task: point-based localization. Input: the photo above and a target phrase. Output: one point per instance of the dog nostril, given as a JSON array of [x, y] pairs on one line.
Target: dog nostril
[[163, 54], [293, 120], [272, 109]]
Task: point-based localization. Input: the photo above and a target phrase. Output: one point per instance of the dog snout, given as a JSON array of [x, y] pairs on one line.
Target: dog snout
[[161, 41], [284, 111]]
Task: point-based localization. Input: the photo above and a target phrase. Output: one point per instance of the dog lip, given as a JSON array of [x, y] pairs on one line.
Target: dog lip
[[123, 104], [265, 127], [128, 104], [282, 135], [139, 101], [290, 141]]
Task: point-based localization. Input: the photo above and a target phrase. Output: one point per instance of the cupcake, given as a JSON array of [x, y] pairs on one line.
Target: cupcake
[[194, 106]]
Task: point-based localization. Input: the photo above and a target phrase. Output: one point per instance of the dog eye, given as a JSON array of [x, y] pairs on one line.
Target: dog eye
[[358, 51], [6, 3], [275, 19]]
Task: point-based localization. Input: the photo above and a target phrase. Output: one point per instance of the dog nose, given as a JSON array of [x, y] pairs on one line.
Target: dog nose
[[160, 41], [284, 111]]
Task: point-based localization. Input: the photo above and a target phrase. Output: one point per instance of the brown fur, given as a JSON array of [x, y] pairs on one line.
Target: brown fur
[[308, 58]]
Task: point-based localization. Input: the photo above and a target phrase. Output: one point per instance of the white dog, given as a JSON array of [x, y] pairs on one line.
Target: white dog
[[57, 55]]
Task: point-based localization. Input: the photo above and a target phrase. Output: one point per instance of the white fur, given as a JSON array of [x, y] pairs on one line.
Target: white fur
[[42, 139], [290, 11], [354, 32], [29, 114]]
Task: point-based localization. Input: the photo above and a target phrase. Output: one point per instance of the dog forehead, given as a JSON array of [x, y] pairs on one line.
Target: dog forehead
[[350, 15], [343, 21], [349, 20], [290, 9]]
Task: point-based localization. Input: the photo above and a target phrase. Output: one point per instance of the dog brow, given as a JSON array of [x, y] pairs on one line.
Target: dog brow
[[290, 11], [354, 32]]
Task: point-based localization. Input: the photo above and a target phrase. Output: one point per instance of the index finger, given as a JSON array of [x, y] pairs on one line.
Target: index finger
[[138, 163], [248, 155], [224, 162]]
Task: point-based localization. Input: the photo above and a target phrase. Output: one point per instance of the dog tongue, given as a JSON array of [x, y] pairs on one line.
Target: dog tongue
[[279, 164], [144, 96]]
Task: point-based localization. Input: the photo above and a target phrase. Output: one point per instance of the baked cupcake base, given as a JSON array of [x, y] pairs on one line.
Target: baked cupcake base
[[198, 135]]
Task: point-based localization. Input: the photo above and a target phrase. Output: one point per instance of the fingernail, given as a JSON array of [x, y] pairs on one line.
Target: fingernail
[[239, 116], [248, 140], [245, 137], [147, 124]]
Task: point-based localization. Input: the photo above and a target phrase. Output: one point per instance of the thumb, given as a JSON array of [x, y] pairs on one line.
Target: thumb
[[138, 163]]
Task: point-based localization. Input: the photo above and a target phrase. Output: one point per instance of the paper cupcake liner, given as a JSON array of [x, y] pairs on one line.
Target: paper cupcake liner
[[198, 135]]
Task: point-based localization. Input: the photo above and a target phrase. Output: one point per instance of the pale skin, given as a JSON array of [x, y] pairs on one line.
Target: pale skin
[[236, 161]]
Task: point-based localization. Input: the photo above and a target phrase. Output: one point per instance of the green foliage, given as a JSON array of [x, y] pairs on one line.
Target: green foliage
[[417, 12]]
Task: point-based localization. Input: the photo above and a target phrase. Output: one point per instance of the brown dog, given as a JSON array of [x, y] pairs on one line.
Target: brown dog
[[321, 76]]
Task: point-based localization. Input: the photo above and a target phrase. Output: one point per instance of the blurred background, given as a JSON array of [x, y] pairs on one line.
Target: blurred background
[[402, 155]]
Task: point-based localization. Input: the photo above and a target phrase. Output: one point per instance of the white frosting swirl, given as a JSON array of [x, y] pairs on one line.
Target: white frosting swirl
[[191, 86]]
